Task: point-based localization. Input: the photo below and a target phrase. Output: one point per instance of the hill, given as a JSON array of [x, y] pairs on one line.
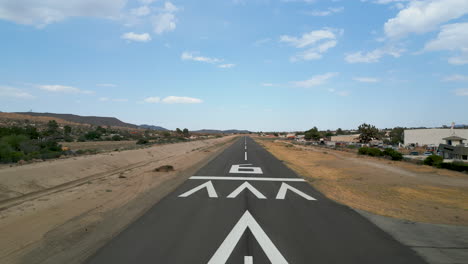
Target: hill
[[151, 127], [92, 120]]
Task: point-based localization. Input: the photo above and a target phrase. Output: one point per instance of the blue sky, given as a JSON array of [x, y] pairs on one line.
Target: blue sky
[[262, 65]]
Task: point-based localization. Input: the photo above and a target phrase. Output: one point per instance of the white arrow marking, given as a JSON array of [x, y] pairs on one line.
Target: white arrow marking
[[285, 187], [224, 251], [209, 187], [243, 186]]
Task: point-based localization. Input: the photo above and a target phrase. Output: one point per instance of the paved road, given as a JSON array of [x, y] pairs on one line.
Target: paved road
[[258, 213]]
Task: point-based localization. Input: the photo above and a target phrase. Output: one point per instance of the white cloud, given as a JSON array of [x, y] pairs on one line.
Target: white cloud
[[456, 78], [6, 91], [372, 56], [63, 89], [169, 7], [268, 84], [329, 11], [308, 39], [147, 2], [165, 21], [452, 37], [41, 13], [181, 100], [106, 85], [144, 37], [317, 42], [225, 66], [152, 100], [107, 99], [316, 80], [190, 56], [424, 16], [366, 79], [461, 92], [140, 11]]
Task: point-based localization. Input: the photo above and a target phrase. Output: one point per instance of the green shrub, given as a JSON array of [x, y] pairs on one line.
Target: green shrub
[[351, 146], [456, 166], [395, 155], [374, 152], [142, 141], [15, 140], [433, 160], [363, 150], [116, 138]]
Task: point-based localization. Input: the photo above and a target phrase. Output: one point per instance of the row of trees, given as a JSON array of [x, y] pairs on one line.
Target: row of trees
[[185, 132], [367, 132]]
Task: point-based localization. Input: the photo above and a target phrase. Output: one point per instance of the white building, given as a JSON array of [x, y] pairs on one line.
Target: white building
[[432, 136]]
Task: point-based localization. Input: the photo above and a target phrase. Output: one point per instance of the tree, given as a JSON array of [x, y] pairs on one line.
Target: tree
[[178, 131], [67, 130], [368, 132], [397, 135], [312, 133], [52, 128], [186, 132], [339, 131]]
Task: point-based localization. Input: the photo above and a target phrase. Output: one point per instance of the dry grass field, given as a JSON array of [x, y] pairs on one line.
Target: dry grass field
[[396, 189]]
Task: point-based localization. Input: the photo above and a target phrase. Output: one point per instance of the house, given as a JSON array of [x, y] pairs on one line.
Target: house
[[454, 148], [291, 136]]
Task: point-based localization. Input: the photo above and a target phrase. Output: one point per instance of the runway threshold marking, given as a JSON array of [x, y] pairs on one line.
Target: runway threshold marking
[[247, 221], [244, 186], [209, 187], [285, 187], [228, 178], [280, 196]]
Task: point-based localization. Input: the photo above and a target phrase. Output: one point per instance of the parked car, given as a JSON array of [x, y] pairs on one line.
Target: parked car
[[414, 153], [428, 153]]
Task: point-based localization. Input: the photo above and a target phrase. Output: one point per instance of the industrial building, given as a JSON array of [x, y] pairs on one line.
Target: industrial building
[[432, 136]]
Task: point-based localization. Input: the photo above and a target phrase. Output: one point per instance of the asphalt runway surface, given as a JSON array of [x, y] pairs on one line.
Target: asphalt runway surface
[[247, 207]]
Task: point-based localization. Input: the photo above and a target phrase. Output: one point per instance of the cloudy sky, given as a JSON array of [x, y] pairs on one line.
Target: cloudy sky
[[247, 64]]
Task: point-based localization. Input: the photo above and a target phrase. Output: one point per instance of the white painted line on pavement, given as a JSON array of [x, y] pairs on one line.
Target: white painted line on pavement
[[209, 187], [248, 260], [247, 221], [246, 155], [243, 169], [285, 187], [227, 178], [243, 186]]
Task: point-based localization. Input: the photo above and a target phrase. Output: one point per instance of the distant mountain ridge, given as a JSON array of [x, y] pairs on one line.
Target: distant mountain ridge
[[151, 127], [93, 120], [216, 131]]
